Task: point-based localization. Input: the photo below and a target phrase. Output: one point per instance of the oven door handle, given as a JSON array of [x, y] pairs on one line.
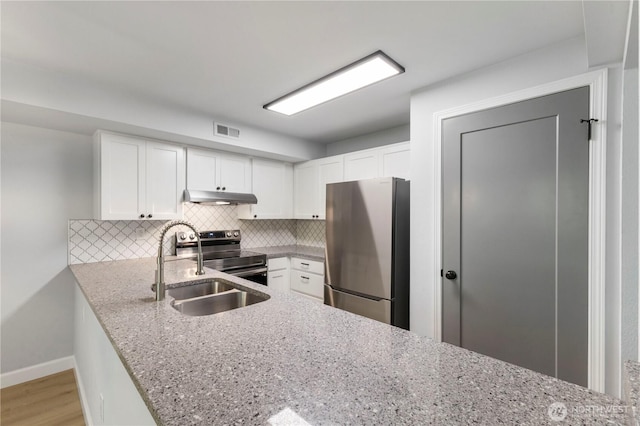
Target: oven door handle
[[247, 273]]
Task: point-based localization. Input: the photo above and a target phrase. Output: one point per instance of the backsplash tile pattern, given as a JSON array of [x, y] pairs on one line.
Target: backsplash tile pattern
[[98, 241], [311, 233]]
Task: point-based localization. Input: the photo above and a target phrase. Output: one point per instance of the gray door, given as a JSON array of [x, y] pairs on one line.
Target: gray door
[[515, 233]]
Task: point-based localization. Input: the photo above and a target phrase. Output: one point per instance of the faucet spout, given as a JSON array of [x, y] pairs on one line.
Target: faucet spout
[[159, 284]]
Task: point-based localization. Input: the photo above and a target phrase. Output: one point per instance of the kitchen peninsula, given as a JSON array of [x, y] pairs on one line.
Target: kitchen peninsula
[[327, 366]]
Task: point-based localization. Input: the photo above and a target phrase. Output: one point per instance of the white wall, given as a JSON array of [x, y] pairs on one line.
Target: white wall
[[535, 68], [46, 180], [371, 140]]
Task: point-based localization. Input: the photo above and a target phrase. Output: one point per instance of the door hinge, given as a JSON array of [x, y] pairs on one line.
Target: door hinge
[[588, 121]]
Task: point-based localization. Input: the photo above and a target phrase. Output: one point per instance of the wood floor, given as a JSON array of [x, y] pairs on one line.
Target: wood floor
[[51, 400]]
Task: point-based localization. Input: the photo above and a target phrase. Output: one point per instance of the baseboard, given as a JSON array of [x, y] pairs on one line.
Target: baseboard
[[37, 371], [88, 420]]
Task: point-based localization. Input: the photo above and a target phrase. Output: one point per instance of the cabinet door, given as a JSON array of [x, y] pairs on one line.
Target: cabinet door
[[395, 161], [234, 173], [361, 165], [273, 186], [305, 182], [121, 176], [278, 280], [330, 170], [202, 166], [165, 181]]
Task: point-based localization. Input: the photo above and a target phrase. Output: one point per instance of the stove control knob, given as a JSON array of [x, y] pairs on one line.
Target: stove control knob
[[182, 236], [228, 234], [236, 234], [192, 236]]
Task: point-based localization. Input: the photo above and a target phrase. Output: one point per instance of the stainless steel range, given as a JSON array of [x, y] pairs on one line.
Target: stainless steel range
[[221, 251]]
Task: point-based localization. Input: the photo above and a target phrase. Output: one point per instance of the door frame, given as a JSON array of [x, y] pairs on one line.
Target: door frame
[[597, 82]]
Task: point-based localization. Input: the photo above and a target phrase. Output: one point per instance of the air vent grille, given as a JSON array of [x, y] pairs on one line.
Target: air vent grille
[[226, 131]]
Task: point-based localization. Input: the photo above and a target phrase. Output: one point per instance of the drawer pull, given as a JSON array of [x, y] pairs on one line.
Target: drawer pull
[[306, 265], [303, 278], [278, 276]]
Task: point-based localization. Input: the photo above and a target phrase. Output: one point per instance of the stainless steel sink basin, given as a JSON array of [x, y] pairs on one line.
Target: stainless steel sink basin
[[210, 286], [212, 297]]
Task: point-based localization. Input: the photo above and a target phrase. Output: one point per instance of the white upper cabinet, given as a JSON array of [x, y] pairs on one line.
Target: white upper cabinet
[[310, 183], [137, 179], [272, 184], [215, 171], [361, 165], [395, 161], [330, 170], [388, 161], [305, 190]]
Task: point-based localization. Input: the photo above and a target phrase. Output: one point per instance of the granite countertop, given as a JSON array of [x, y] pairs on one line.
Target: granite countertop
[[305, 252], [632, 389], [328, 366]]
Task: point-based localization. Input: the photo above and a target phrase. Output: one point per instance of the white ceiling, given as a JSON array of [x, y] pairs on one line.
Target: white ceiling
[[227, 59]]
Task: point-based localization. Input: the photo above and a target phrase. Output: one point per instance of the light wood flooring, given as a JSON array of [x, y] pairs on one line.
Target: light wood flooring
[[51, 400]]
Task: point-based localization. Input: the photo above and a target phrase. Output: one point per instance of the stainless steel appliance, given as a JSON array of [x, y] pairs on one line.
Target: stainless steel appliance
[[367, 249], [221, 251]]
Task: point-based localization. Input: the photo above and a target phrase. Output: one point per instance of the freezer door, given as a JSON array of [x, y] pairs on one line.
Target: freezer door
[[379, 310], [359, 237]]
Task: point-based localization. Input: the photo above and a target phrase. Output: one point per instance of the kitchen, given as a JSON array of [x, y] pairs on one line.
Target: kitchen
[[50, 113]]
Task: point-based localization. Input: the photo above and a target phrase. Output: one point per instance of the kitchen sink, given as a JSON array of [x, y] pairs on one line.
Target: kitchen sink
[[212, 297], [210, 286]]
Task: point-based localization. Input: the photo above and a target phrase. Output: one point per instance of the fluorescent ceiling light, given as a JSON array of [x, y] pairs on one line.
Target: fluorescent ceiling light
[[366, 71]]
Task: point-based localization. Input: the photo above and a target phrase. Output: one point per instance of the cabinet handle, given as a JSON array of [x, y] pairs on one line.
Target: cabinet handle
[[141, 216], [304, 278], [224, 188], [278, 276], [218, 188], [306, 265], [255, 216], [149, 216]]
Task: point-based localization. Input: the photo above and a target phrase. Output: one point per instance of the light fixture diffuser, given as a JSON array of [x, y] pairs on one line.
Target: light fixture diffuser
[[368, 70]]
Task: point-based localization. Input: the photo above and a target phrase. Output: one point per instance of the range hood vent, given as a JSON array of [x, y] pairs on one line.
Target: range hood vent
[[217, 198]]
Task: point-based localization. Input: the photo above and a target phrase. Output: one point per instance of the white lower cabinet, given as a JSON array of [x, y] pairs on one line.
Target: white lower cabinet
[[106, 389], [307, 278], [302, 276], [278, 273]]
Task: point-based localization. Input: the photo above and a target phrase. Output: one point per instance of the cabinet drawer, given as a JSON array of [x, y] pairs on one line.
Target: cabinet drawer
[[278, 263], [305, 282], [307, 265], [278, 280]]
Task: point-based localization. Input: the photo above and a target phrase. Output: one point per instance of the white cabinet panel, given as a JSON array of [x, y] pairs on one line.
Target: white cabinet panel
[[306, 265], [330, 170], [202, 169], [120, 172], [234, 173], [305, 191], [165, 180], [209, 170], [272, 184], [307, 283], [278, 280], [396, 161], [361, 165], [137, 179]]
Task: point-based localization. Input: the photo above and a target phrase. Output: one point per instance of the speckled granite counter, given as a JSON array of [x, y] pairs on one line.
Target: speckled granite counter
[[632, 389], [327, 365], [305, 252]]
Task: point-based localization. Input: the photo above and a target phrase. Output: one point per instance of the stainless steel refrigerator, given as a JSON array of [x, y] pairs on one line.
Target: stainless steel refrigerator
[[367, 249]]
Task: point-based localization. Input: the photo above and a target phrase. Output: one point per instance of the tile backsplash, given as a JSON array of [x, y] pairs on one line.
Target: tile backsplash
[[98, 240]]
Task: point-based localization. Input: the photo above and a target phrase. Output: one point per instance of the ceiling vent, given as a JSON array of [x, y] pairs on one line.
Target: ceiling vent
[[226, 131]]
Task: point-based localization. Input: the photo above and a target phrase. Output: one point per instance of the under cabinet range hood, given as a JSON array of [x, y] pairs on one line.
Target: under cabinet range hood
[[218, 197]]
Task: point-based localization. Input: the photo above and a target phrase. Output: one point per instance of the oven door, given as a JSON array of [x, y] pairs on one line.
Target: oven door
[[257, 275]]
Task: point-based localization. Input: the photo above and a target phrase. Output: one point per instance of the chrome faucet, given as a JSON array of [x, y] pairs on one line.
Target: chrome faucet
[[159, 286]]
